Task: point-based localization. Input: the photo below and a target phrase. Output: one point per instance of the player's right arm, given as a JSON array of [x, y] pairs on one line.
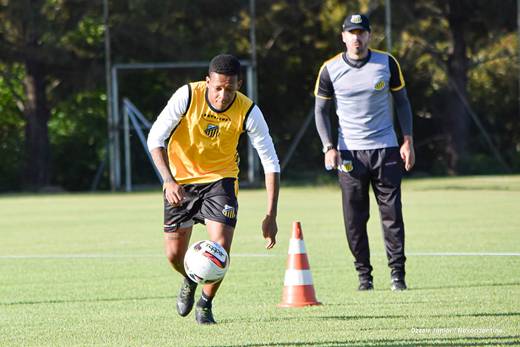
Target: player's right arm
[[173, 192], [324, 93], [161, 130]]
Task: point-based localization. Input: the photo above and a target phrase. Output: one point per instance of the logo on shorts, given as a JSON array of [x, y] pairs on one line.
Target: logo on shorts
[[211, 130], [346, 166], [379, 85], [229, 211]]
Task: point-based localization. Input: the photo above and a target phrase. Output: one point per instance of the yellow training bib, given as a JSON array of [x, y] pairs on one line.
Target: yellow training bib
[[204, 146]]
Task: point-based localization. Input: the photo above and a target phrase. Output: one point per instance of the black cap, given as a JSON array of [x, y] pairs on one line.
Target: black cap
[[356, 21]]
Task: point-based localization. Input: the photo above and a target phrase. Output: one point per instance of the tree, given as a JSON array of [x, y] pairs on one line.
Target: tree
[[445, 43], [52, 89], [11, 126], [53, 41]]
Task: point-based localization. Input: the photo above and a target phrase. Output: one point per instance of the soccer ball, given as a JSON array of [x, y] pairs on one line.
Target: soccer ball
[[206, 262]]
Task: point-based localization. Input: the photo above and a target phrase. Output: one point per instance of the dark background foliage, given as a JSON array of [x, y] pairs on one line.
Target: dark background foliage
[[459, 58]]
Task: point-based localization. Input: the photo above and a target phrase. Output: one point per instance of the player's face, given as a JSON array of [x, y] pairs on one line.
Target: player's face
[[222, 89], [357, 42]]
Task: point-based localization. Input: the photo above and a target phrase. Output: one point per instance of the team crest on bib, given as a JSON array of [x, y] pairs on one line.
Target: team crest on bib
[[379, 85], [229, 211], [211, 130]]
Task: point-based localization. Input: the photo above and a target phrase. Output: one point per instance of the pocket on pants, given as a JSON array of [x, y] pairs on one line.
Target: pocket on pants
[[391, 167]]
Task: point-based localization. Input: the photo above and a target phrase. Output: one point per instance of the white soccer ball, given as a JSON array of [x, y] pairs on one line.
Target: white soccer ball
[[206, 262]]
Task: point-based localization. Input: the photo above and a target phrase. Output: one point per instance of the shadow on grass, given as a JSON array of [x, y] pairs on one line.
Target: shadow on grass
[[343, 317], [467, 286], [434, 341], [307, 318], [83, 300], [359, 317], [361, 303], [482, 314]]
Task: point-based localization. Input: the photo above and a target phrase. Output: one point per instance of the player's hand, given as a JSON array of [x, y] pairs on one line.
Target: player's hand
[[408, 153], [173, 192], [269, 230], [332, 159]]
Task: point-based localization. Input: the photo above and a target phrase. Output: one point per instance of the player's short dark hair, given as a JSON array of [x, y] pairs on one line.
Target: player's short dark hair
[[225, 64]]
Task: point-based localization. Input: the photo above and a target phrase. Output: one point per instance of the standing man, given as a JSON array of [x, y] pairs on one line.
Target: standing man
[[202, 123], [361, 83]]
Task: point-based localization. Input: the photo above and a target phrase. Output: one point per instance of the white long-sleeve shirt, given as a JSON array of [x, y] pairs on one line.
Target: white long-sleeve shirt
[[255, 126]]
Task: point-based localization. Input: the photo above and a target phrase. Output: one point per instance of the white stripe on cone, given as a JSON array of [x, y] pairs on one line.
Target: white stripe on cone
[[296, 246], [297, 277]]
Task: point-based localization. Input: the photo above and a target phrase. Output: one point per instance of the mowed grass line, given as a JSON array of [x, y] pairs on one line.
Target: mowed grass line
[[126, 296]]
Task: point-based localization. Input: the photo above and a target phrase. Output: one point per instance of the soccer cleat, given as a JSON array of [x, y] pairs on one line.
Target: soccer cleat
[[398, 284], [185, 299], [365, 285], [203, 315]]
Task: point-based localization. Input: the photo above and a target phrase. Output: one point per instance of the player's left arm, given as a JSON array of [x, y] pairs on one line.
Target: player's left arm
[[269, 226], [258, 132], [404, 115], [403, 110]]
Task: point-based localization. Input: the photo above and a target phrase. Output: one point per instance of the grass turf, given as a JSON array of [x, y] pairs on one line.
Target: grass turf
[[88, 269]]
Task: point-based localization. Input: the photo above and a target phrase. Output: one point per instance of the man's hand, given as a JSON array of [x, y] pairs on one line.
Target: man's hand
[[173, 192], [408, 153], [269, 230], [332, 159]]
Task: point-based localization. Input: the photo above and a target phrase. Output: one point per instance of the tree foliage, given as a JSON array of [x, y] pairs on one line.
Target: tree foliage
[[454, 54], [56, 43]]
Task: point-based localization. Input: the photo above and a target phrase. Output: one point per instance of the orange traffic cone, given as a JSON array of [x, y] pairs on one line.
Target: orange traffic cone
[[298, 288]]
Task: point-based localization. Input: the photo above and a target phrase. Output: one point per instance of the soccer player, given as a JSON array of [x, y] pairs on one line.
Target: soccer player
[[364, 84], [202, 123]]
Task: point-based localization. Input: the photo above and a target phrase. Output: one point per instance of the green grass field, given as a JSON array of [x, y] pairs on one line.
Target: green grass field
[[88, 269]]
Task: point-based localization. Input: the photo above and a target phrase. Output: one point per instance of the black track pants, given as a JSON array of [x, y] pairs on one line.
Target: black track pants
[[382, 169]]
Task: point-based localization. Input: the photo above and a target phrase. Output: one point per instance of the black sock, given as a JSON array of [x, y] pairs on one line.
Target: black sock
[[190, 282], [204, 301]]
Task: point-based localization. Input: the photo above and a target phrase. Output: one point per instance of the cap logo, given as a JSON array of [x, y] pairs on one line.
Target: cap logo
[[356, 19]]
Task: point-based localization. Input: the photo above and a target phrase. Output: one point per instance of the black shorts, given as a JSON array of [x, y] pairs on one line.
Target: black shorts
[[215, 201]]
